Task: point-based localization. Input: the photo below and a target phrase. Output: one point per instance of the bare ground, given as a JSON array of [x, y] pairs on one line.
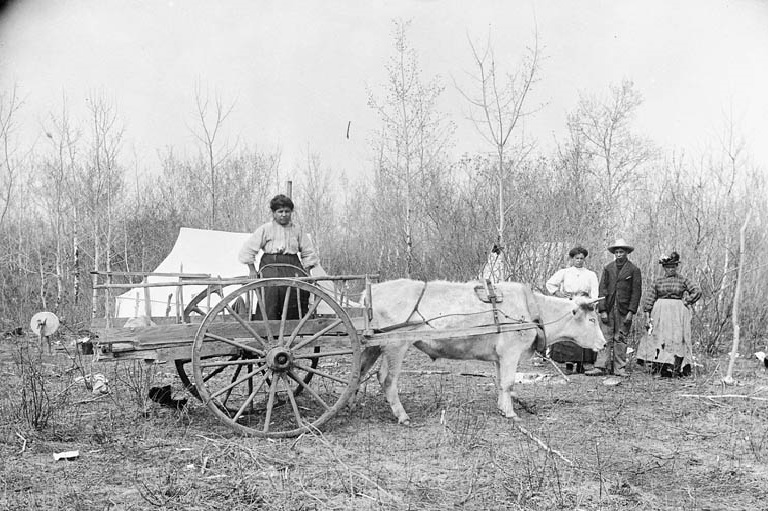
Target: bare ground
[[644, 444]]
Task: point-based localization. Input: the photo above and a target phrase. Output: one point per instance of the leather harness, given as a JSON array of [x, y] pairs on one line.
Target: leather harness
[[532, 306]]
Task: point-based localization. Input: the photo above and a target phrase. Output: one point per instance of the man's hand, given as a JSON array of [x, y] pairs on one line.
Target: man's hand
[[628, 318], [604, 317]]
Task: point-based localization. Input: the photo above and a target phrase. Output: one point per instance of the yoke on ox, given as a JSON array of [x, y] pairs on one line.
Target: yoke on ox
[[449, 320]]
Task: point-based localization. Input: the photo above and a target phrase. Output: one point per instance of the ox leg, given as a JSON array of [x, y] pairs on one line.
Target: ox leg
[[507, 371], [505, 392], [389, 373], [368, 358]]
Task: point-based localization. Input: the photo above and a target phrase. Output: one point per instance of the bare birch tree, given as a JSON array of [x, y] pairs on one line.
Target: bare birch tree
[[497, 109], [9, 107], [210, 118], [735, 317], [316, 204], [101, 182], [603, 128], [412, 139]]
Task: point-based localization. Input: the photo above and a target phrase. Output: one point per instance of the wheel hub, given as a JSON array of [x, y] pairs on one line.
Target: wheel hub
[[279, 359]]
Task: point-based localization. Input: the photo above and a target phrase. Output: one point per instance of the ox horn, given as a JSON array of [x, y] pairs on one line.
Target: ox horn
[[596, 300]]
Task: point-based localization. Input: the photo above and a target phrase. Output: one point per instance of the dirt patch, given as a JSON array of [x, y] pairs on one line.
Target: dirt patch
[[643, 444]]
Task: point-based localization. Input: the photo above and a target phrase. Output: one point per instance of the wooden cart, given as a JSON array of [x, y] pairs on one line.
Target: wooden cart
[[269, 378], [266, 378]]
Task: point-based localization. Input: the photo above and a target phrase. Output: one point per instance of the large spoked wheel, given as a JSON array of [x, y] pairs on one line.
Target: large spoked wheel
[[195, 310], [251, 382]]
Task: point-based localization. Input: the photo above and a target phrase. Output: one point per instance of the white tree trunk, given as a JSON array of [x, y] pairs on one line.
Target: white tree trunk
[[737, 302]]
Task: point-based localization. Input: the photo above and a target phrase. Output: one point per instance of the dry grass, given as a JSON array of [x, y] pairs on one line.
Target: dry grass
[[645, 444]]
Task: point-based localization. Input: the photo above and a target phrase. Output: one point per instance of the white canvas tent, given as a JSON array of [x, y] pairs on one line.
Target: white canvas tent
[[196, 251]]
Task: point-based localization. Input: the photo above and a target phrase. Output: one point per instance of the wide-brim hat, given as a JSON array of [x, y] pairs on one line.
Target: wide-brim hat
[[620, 243], [673, 259]]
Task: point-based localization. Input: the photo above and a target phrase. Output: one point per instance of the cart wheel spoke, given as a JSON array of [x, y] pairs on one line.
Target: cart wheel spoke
[[284, 317], [316, 336], [318, 354], [302, 374], [299, 328], [310, 390], [263, 314], [270, 404], [292, 399], [249, 401], [236, 380]]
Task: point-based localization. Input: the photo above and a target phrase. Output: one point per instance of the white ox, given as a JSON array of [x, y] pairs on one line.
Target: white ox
[[452, 307]]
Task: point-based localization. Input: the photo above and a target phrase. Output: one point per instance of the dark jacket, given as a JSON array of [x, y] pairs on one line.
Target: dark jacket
[[625, 288]]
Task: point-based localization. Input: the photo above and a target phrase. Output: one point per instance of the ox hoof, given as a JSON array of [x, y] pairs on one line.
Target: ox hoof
[[509, 415], [405, 422]]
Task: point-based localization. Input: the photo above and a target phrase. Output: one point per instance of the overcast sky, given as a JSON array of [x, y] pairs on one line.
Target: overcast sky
[[298, 72]]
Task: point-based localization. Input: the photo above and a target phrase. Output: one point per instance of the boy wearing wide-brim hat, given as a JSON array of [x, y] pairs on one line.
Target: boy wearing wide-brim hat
[[621, 285]]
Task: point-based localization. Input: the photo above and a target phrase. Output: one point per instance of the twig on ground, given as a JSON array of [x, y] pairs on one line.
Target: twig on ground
[[293, 444], [541, 443], [91, 400], [24, 443], [471, 484], [319, 435], [714, 396], [304, 489], [712, 374], [258, 458], [557, 368]]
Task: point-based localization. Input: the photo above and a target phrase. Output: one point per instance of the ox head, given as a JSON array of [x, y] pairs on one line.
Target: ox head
[[581, 325]]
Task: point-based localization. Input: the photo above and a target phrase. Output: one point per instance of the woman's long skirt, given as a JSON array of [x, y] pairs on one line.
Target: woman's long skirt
[[283, 265], [669, 342], [571, 353]]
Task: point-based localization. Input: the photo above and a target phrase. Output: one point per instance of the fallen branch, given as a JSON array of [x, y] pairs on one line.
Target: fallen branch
[[541, 443], [316, 433], [91, 400], [471, 484], [557, 367], [24, 442], [713, 396]]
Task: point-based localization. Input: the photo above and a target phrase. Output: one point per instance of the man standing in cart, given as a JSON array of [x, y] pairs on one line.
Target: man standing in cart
[[287, 252]]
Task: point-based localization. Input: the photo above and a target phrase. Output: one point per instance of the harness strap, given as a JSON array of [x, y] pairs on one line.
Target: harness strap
[[407, 321], [491, 291], [533, 308], [416, 305]]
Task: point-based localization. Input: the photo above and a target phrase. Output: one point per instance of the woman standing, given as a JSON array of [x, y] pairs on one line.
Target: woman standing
[[667, 345], [282, 241], [575, 280]]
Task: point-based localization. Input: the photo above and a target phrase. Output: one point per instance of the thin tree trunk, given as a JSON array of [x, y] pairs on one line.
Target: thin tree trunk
[[96, 257], [724, 280], [737, 302], [59, 256], [76, 262], [43, 301], [500, 233]]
